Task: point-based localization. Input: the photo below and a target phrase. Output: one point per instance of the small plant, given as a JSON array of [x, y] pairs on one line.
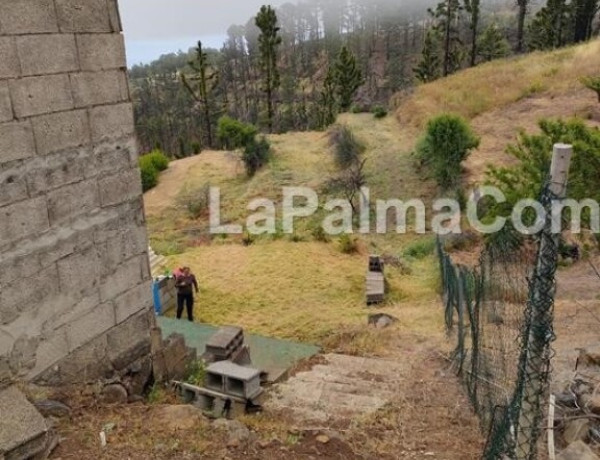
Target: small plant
[[379, 112], [318, 233], [446, 143], [296, 238], [195, 373], [420, 249], [196, 147], [195, 200], [247, 238], [348, 244], [592, 83], [347, 148], [156, 394]]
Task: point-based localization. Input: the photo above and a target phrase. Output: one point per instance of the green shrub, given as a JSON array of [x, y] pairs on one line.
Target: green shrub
[[347, 148], [195, 200], [148, 172], [158, 159], [420, 249], [446, 143], [195, 373], [256, 155], [348, 244], [196, 147], [234, 134], [379, 112], [592, 83]]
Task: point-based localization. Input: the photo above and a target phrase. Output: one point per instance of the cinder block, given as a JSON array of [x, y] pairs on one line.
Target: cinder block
[[123, 278], [46, 54], [98, 321], [6, 113], [71, 201], [96, 88], [13, 186], [19, 295], [57, 170], [83, 16], [110, 157], [16, 141], [23, 219], [101, 51], [120, 187], [40, 95], [133, 301], [9, 64], [61, 131], [79, 273], [28, 16], [111, 122], [115, 17]]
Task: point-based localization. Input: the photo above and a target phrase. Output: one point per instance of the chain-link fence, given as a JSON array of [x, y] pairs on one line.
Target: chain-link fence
[[501, 312]]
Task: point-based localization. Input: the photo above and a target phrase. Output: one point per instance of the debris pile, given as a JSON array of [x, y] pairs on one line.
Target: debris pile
[[577, 413]]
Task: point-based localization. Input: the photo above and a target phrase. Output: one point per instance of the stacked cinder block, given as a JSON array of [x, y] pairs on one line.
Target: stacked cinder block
[[75, 286]]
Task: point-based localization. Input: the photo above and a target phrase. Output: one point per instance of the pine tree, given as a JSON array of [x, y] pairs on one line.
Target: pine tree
[[428, 68], [446, 15], [268, 41], [327, 101], [199, 85], [548, 28], [583, 12], [348, 78], [522, 14], [473, 7], [492, 44]]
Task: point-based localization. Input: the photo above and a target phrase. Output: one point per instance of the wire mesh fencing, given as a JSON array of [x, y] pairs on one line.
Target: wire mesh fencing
[[502, 315]]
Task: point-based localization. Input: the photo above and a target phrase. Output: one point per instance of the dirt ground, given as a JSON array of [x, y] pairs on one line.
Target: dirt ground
[[428, 416]]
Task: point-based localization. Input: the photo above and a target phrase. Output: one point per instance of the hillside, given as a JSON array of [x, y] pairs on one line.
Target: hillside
[[502, 97]]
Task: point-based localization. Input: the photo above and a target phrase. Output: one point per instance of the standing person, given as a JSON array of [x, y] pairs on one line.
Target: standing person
[[185, 284]]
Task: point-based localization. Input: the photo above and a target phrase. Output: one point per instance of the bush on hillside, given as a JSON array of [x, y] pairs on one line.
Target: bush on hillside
[[348, 244], [195, 200], [234, 134], [256, 155], [347, 148], [592, 83], [446, 143], [420, 249], [151, 165], [379, 112]]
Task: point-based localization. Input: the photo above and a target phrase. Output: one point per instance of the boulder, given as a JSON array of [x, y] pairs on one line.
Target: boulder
[[576, 430], [238, 434], [49, 408], [115, 393], [577, 451]]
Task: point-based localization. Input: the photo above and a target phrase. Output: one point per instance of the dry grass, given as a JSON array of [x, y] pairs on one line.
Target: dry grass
[[302, 291], [500, 83]]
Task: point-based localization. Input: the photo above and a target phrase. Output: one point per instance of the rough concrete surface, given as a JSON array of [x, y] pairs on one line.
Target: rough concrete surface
[[23, 433], [344, 387]]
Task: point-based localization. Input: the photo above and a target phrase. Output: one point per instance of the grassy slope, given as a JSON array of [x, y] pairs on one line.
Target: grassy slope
[[309, 290], [299, 290]]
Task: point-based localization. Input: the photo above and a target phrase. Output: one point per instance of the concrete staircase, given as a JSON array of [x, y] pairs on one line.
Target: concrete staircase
[[157, 263]]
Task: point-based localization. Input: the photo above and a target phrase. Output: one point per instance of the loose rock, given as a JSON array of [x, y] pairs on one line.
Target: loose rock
[[180, 417], [576, 430], [114, 394], [50, 408]]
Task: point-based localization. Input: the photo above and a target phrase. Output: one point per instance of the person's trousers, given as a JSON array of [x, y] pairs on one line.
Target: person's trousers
[[188, 300]]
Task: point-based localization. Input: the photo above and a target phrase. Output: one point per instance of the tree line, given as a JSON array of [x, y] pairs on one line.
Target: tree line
[[296, 67]]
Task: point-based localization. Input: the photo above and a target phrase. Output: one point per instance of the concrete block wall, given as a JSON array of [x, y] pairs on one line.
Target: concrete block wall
[[75, 285]]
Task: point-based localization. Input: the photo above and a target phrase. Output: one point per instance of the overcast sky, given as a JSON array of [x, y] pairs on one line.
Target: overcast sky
[[155, 27]]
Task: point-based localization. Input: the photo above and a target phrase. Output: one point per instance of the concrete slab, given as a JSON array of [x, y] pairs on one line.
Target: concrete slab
[[23, 431], [270, 355], [344, 387]]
